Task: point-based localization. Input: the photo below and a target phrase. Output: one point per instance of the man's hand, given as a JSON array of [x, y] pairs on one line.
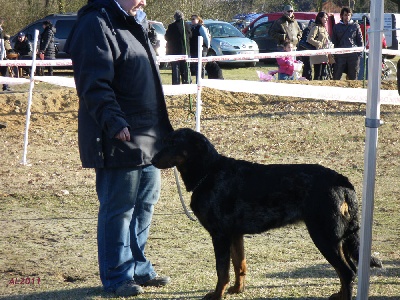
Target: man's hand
[[123, 135]]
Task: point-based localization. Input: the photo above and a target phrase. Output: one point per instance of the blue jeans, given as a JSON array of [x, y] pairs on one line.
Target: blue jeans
[[127, 197], [283, 76]]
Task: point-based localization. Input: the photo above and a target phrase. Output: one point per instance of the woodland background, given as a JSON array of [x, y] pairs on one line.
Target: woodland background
[[18, 13]]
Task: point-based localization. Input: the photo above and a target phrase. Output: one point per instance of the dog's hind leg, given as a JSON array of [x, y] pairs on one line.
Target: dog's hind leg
[[239, 264], [333, 251], [222, 256]]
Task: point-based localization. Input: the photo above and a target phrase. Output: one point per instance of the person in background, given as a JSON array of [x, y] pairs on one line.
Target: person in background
[[198, 29], [319, 38], [286, 28], [307, 68], [347, 34], [364, 26], [3, 55], [7, 44], [23, 47], [122, 121], [286, 64], [178, 43], [47, 46]]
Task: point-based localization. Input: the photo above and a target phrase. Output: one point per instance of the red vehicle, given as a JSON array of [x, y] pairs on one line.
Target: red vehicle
[[299, 16]]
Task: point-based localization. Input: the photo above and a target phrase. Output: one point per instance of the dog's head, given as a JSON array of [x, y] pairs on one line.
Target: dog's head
[[182, 147]]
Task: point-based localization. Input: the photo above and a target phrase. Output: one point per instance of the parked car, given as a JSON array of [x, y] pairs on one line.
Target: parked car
[[63, 24], [228, 40]]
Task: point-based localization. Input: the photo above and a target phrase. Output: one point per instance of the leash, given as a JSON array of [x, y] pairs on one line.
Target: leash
[[178, 185]]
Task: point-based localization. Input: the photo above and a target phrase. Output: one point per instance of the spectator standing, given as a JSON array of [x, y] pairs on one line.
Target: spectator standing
[[22, 46], [3, 55], [286, 63], [307, 69], [286, 28], [364, 26], [198, 29], [319, 38], [347, 34], [122, 120], [178, 43], [47, 46]]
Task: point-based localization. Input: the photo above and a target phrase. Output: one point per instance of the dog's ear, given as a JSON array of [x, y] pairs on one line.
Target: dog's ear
[[204, 146]]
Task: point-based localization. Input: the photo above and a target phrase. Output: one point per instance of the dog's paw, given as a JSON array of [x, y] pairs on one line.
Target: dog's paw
[[236, 289], [212, 296]]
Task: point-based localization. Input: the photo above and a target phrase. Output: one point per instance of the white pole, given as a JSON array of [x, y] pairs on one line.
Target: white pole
[[372, 123], [28, 110], [199, 71]]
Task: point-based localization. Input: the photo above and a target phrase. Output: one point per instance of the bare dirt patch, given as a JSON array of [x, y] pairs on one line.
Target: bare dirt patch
[[49, 208]]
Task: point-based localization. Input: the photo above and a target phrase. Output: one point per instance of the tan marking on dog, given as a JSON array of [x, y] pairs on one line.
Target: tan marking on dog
[[344, 210]]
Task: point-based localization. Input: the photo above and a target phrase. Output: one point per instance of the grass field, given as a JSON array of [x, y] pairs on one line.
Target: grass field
[[48, 210]]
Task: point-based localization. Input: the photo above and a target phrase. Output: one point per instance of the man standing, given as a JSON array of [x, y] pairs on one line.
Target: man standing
[[178, 38], [286, 28], [122, 120], [347, 34]]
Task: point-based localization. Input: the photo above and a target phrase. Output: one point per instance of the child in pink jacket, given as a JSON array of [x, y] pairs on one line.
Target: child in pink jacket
[[286, 64]]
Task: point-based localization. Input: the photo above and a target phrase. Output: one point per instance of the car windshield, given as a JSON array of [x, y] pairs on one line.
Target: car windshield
[[222, 30]]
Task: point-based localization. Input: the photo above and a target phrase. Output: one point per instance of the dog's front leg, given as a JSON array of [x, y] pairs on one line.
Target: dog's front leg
[[239, 264], [222, 256]]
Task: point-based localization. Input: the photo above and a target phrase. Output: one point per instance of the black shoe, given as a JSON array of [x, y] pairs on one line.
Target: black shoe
[[157, 281], [7, 89], [3, 125], [128, 288]]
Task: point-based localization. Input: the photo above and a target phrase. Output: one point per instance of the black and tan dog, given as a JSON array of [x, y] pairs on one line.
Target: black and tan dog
[[234, 197]]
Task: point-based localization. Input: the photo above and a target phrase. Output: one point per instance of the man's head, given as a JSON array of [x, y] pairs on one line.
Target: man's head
[[345, 15], [21, 36], [178, 15], [132, 7], [288, 11]]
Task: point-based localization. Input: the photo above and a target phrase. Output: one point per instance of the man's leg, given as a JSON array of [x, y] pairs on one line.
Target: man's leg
[[117, 191], [175, 72], [183, 66], [339, 66], [353, 63], [147, 196]]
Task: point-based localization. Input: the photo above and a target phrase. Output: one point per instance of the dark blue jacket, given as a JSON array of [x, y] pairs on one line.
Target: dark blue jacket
[[347, 36], [118, 84], [175, 37], [47, 42]]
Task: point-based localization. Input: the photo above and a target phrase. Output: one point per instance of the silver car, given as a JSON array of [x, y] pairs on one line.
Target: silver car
[[228, 40]]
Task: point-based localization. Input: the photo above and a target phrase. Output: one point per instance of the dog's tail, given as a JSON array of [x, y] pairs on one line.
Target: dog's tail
[[352, 244], [352, 237]]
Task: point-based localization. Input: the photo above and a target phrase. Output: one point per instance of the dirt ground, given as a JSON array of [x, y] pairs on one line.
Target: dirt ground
[[48, 208]]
